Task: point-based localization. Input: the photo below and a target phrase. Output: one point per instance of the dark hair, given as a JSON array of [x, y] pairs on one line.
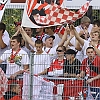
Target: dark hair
[[71, 51], [28, 27], [97, 22], [18, 38], [63, 48], [38, 41], [2, 26], [90, 48]]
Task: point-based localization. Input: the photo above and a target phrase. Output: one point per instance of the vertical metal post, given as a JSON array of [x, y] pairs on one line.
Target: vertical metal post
[[31, 75]]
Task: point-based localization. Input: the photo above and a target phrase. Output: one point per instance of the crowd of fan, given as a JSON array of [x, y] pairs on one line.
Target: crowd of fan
[[63, 50]]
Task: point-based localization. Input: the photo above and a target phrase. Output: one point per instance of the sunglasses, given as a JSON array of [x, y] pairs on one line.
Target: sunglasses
[[59, 50]]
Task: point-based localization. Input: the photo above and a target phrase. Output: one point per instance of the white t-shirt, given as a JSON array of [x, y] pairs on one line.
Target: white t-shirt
[[52, 52], [41, 62], [26, 50], [6, 40], [85, 46], [20, 60], [79, 28], [56, 40], [80, 55]]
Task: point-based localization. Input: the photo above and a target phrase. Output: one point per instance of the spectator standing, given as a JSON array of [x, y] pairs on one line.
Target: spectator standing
[[94, 36], [85, 24], [90, 69], [50, 31], [48, 48], [56, 67], [17, 59], [71, 65], [41, 59]]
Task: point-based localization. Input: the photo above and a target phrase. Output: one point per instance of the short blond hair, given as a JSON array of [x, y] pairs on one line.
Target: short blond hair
[[85, 19], [94, 30]]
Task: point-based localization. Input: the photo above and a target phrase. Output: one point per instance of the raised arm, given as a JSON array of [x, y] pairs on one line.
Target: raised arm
[[17, 32], [68, 40], [77, 46], [64, 37], [28, 39], [73, 30]]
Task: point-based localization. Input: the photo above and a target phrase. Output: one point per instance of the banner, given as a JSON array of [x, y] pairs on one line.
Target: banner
[[42, 88], [2, 7], [35, 9], [39, 13]]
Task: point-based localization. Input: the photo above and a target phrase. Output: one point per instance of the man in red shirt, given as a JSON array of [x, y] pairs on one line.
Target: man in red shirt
[[90, 69]]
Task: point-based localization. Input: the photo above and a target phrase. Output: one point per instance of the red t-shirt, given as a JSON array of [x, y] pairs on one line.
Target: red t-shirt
[[94, 70], [13, 98], [56, 64]]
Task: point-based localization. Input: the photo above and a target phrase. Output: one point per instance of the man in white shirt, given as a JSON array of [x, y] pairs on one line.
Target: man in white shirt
[[85, 24], [94, 36], [48, 43], [50, 31], [17, 59], [41, 59]]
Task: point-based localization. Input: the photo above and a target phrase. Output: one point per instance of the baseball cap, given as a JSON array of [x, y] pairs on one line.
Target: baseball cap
[[17, 23], [48, 36]]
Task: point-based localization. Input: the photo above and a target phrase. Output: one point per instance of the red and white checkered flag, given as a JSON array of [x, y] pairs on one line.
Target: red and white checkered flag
[[57, 15], [3, 83]]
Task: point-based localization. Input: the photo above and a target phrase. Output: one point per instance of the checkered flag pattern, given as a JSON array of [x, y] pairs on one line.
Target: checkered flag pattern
[[57, 15], [3, 83], [46, 20]]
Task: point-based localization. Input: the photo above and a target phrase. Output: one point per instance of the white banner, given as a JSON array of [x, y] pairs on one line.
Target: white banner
[[42, 13], [42, 89], [34, 8]]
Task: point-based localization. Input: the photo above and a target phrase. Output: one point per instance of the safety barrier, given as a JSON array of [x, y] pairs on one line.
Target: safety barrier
[[54, 87]]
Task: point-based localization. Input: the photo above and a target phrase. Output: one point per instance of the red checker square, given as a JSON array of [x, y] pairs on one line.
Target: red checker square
[[61, 11], [51, 23], [74, 18], [71, 14], [64, 16], [58, 20], [53, 8], [55, 14]]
